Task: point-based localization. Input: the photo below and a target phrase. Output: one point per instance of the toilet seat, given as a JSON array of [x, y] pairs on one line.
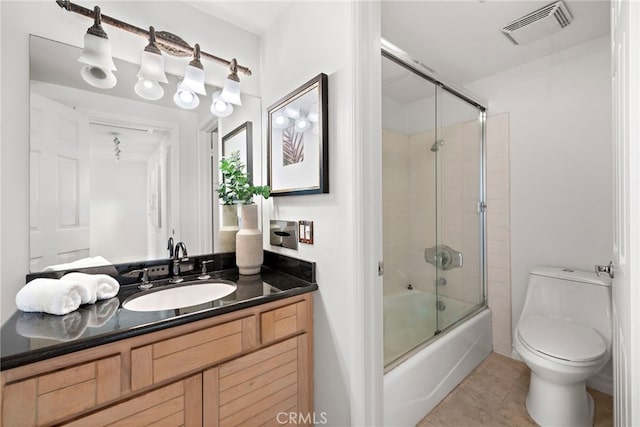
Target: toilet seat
[[561, 339]]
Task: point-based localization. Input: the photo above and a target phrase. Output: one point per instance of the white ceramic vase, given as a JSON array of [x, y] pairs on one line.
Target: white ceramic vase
[[249, 241], [228, 229]]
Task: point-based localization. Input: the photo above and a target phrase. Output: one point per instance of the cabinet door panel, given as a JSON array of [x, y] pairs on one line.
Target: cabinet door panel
[[263, 386], [177, 404], [62, 394], [283, 322], [182, 355]]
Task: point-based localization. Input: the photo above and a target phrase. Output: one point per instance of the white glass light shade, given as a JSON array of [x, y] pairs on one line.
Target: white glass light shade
[[194, 80], [97, 52], [302, 124], [101, 78], [97, 55], [231, 92], [148, 89], [219, 107], [184, 98], [280, 120], [152, 67]]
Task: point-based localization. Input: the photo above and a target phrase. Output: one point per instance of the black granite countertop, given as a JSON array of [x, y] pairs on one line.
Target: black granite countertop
[[32, 337]]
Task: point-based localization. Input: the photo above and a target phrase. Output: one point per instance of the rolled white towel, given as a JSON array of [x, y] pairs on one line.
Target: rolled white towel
[[101, 312], [50, 296], [105, 285], [59, 328]]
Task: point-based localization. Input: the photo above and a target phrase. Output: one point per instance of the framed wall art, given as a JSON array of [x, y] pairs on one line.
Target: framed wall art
[[241, 140], [298, 149]]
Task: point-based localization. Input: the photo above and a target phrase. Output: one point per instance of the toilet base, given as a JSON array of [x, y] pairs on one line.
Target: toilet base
[[552, 404]]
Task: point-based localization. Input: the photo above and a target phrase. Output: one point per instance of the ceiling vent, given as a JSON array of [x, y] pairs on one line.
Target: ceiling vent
[[541, 23]]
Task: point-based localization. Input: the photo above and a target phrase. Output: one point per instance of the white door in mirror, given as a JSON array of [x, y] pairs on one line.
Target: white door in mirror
[[179, 296]]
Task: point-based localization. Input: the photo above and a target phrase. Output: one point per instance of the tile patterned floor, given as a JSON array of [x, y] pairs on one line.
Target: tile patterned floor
[[494, 394]]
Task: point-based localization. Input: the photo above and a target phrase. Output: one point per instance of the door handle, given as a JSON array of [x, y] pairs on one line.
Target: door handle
[[605, 269]]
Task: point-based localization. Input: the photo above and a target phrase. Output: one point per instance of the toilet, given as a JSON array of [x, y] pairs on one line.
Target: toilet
[[564, 337]]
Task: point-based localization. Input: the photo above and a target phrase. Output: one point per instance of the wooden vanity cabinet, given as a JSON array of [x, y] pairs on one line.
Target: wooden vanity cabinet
[[229, 370]]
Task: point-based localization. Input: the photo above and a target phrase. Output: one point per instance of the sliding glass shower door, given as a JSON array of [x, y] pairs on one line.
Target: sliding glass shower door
[[432, 174], [459, 204]]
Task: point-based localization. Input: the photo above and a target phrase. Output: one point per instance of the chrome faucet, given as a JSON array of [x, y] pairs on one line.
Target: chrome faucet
[[175, 269], [176, 251]]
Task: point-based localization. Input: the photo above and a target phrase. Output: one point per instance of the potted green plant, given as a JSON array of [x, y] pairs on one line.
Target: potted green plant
[[237, 189]]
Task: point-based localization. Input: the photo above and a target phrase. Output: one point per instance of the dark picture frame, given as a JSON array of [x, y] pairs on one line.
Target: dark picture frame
[[240, 139], [297, 141]]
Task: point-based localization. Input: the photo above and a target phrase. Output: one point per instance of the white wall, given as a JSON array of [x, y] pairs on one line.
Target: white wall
[[46, 19], [560, 154], [309, 38]]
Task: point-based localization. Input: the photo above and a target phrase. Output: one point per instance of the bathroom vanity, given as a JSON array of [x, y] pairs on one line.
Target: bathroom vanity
[[242, 361]]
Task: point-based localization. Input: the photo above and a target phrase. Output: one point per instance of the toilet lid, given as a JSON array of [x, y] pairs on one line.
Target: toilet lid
[[561, 339]]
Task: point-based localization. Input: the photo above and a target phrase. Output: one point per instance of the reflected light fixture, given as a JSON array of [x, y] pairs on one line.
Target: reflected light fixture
[[313, 113], [280, 120], [96, 54], [219, 107], [185, 98], [292, 111], [302, 124], [99, 66], [116, 148], [151, 71]]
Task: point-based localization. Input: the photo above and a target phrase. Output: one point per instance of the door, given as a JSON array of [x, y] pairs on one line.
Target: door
[[59, 216], [626, 246]]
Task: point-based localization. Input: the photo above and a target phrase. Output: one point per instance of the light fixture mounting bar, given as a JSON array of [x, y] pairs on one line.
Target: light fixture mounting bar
[[174, 43]]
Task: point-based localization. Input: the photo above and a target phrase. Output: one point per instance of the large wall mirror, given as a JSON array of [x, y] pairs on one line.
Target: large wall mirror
[[113, 175]]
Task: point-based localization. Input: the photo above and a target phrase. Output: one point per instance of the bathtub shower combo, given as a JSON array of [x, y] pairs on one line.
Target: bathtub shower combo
[[437, 327]]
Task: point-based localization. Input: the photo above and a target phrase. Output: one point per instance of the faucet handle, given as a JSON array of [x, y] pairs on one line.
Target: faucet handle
[[170, 247], [144, 279], [203, 274]]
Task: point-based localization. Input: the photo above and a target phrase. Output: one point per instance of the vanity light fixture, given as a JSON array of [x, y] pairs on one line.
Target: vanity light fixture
[[192, 83], [151, 71], [99, 67], [96, 54], [231, 89]]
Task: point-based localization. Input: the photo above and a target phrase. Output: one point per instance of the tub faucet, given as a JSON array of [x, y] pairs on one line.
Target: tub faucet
[[176, 260]]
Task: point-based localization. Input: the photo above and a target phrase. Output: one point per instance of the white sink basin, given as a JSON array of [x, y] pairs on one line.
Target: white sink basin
[[180, 296]]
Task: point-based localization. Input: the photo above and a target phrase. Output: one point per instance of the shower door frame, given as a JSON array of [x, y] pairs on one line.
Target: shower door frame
[[395, 54]]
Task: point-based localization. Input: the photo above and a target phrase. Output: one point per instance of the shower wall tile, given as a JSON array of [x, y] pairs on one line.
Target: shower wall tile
[[498, 231]]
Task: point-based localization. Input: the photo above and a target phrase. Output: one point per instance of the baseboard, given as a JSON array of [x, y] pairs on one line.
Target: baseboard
[[602, 381]]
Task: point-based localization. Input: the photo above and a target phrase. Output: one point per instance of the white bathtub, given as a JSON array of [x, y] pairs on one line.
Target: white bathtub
[[416, 385]]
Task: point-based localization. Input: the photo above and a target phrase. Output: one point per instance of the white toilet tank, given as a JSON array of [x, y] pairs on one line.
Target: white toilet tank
[[568, 294]]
